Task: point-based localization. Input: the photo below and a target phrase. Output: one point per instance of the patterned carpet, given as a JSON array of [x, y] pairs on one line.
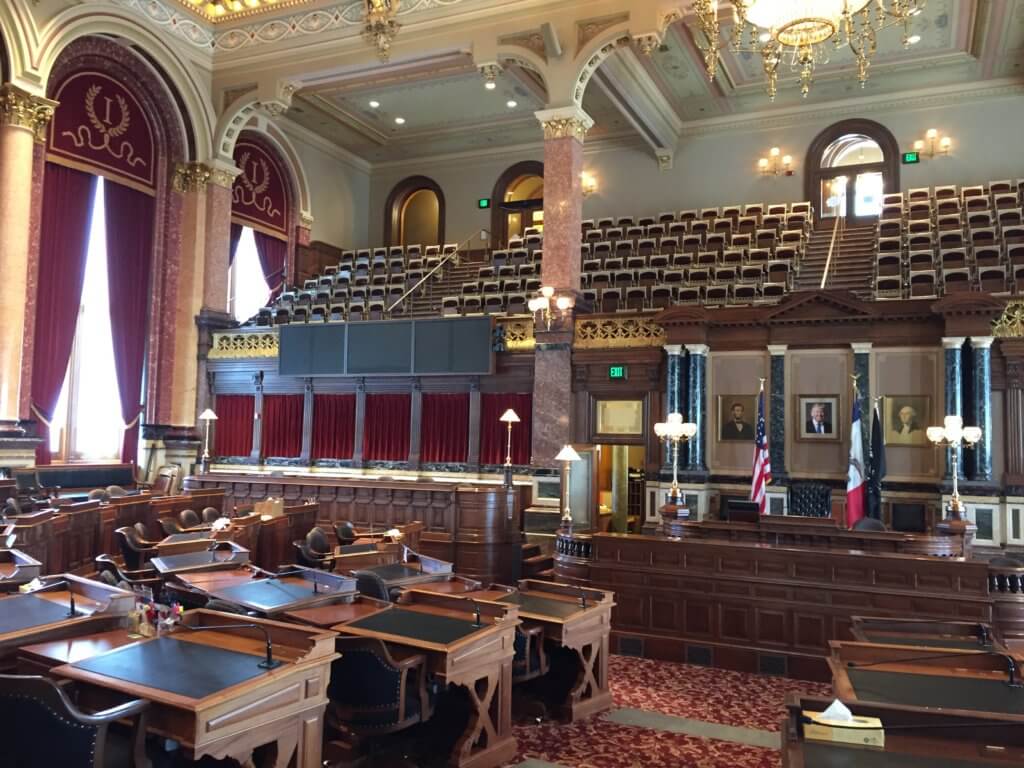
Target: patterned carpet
[[682, 691]]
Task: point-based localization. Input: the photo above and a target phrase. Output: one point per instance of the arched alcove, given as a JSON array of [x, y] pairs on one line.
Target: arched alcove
[[405, 200], [517, 194]]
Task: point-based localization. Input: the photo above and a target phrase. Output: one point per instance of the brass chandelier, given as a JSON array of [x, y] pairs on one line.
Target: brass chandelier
[[800, 33], [381, 25]]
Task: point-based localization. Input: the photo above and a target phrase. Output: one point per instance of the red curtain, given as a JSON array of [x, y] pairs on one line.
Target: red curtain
[[236, 235], [273, 253], [494, 433], [234, 425], [386, 428], [444, 428], [334, 426], [129, 224], [282, 425], [63, 248]]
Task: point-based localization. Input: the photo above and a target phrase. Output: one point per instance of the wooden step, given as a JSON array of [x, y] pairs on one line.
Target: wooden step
[[532, 566]]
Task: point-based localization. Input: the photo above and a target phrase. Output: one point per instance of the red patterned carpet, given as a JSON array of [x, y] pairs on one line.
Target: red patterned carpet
[[682, 690]]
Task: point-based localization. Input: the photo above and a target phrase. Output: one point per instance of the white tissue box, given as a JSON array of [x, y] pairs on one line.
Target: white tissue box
[[863, 731]]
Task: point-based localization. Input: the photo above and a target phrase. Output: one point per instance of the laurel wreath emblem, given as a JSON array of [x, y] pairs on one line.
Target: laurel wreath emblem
[[90, 112]]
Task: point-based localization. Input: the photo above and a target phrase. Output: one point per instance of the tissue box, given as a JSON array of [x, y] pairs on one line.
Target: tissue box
[[863, 731]]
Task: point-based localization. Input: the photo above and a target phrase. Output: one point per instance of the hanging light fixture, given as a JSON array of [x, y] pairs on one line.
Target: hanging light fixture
[[381, 25], [801, 32]]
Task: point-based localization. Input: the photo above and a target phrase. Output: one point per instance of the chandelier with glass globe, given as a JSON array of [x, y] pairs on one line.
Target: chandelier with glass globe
[[801, 33]]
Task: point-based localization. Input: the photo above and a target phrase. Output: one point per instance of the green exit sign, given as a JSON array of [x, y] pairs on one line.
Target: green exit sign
[[483, 202], [909, 158], [617, 372]]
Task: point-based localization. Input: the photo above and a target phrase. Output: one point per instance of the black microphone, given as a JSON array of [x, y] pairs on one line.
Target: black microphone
[[1011, 665], [268, 663], [71, 596], [983, 635], [476, 613], [583, 598]]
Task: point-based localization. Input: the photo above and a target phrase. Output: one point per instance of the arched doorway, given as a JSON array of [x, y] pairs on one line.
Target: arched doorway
[[414, 213], [517, 201], [850, 166]]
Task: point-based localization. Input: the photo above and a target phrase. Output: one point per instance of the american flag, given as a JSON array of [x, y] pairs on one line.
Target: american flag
[[762, 463]]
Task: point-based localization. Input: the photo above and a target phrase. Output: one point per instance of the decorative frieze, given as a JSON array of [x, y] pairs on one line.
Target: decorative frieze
[[1010, 325], [243, 346], [617, 333], [20, 109], [518, 335]]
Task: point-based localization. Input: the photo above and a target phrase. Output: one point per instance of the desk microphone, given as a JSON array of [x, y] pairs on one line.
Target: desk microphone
[[71, 596], [268, 663], [272, 574], [476, 613], [583, 598], [1013, 679], [212, 549]]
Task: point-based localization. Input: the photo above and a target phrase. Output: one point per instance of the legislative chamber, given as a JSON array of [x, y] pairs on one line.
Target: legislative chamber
[[511, 383]]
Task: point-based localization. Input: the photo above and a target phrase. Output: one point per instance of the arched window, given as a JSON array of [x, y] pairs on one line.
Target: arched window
[[517, 201], [850, 166], [414, 213]]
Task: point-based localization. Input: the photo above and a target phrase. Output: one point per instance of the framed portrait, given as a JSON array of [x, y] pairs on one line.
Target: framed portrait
[[619, 417], [818, 418], [905, 419], [737, 418]]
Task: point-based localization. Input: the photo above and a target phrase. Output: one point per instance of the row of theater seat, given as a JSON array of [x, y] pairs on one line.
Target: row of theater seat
[[930, 242]]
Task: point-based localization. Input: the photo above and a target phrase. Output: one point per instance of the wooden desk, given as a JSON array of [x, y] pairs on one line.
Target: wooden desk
[[584, 630], [459, 653], [401, 575], [964, 682], [914, 738], [228, 556], [456, 585], [183, 543], [40, 616], [330, 615], [207, 692], [272, 597], [927, 633], [40, 658]]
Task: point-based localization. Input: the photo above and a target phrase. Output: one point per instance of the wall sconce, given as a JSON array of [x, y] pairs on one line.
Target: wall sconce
[[567, 456], [588, 183], [543, 305], [776, 163], [934, 144]]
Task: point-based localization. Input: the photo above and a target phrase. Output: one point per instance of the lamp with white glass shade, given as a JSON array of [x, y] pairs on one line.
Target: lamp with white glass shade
[[510, 417], [954, 436], [567, 456], [675, 431], [206, 417]]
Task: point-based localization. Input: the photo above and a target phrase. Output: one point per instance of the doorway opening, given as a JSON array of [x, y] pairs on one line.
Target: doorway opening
[[620, 487]]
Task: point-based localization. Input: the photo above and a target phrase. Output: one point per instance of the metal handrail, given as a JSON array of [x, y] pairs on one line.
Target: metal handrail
[[452, 255], [840, 223]]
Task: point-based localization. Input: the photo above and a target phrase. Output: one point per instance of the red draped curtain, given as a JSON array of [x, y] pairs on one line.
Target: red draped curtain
[[63, 248], [282, 425], [236, 235], [386, 428], [234, 425], [129, 224], [334, 426], [494, 433], [272, 253], [444, 428]]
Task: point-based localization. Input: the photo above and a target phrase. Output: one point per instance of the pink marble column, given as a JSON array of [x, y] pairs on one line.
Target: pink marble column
[[23, 119], [218, 239], [564, 131]]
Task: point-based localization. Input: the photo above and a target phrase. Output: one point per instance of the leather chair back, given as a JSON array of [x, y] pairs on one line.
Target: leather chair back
[[141, 531], [810, 499], [317, 543], [116, 492], [170, 526], [210, 514], [372, 585], [131, 548], [346, 533], [189, 518]]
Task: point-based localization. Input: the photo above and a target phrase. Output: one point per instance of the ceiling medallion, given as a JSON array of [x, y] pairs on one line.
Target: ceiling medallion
[[801, 32], [381, 25]]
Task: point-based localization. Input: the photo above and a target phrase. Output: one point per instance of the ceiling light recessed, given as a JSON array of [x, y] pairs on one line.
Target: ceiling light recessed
[[490, 85], [511, 104], [399, 121], [913, 39], [374, 104]]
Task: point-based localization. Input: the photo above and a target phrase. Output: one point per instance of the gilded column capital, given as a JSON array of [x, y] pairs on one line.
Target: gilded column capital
[[565, 122], [21, 109], [193, 177], [306, 220]]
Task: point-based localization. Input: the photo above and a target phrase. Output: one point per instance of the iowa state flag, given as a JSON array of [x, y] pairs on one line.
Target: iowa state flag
[[855, 474]]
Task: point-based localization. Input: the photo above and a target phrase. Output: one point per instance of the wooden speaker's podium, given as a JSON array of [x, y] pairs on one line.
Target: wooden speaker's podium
[[673, 516]]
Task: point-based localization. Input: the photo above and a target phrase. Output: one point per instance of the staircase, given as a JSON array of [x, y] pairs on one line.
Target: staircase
[[536, 564], [853, 261], [426, 302]]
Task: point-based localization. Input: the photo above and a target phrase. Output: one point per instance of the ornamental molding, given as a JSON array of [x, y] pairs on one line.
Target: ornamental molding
[[564, 123], [194, 177], [588, 29], [244, 346], [518, 335], [1010, 324], [530, 39], [618, 333], [21, 109], [306, 220]]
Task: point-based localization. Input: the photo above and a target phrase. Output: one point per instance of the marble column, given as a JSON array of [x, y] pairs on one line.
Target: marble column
[[220, 177], [415, 424], [697, 359], [23, 121], [620, 488], [473, 458], [981, 408], [1013, 352], [953, 346], [357, 444], [862, 368], [777, 412], [306, 453], [564, 131], [673, 392]]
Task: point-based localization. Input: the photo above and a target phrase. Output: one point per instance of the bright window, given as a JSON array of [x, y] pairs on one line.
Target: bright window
[[87, 423], [247, 290]]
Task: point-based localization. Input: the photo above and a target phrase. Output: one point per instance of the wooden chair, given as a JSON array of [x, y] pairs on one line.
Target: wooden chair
[[314, 551], [189, 518], [135, 552], [43, 728]]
